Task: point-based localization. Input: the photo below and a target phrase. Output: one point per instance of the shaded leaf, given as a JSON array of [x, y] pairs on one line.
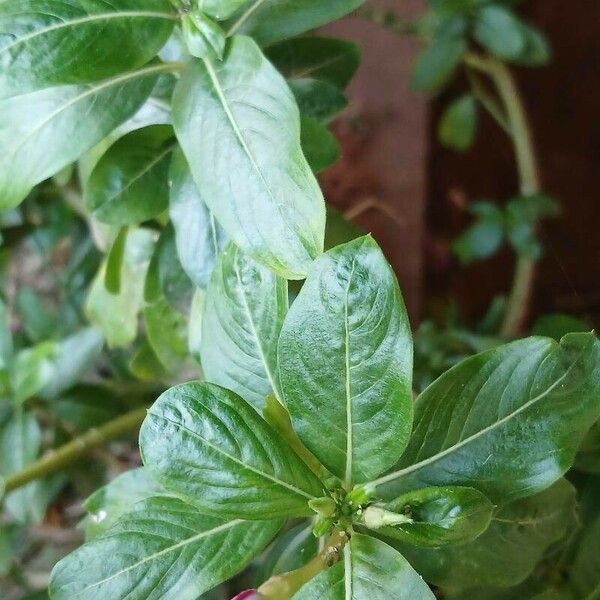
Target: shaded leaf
[[437, 63], [319, 145], [499, 31], [318, 99], [458, 125]]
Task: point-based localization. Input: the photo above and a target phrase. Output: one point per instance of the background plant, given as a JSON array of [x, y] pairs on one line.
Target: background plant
[[139, 138]]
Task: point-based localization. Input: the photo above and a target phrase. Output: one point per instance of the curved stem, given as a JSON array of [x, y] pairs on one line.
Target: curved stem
[[58, 459], [523, 280], [284, 586]]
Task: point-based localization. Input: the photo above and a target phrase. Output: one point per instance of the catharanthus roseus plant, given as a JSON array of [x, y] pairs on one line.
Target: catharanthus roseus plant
[[386, 490], [163, 153]]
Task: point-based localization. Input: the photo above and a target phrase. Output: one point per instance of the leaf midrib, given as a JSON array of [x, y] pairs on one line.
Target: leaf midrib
[[88, 19], [164, 551], [432, 459], [237, 461], [349, 421]]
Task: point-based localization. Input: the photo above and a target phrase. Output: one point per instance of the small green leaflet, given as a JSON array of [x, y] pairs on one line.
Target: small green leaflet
[[369, 569], [495, 421], [207, 445], [244, 309], [160, 549], [44, 43], [345, 362], [239, 127]]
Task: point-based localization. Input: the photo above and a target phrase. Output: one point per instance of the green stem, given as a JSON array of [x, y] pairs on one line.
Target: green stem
[[523, 280], [59, 459], [284, 586]]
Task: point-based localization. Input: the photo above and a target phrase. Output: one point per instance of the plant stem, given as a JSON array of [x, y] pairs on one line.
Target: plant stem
[[57, 460], [523, 280], [283, 587]]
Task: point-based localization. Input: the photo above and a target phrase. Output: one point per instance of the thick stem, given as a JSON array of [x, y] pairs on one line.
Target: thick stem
[[283, 587], [59, 459], [523, 280]]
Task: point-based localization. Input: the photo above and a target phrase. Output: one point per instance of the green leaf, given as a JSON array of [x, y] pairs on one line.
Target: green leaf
[[458, 125], [44, 43], [106, 505], [221, 9], [209, 446], [20, 443], [145, 365], [117, 315], [345, 362], [129, 184], [244, 309], [32, 370], [42, 132], [161, 548], [6, 340], [585, 573], [484, 237], [318, 99], [203, 37], [269, 21], [72, 359], [537, 50], [318, 144], [437, 63], [198, 236], [370, 569], [558, 325], [86, 406], [516, 540], [438, 516], [495, 421], [114, 262], [195, 324], [326, 59], [500, 32], [588, 457], [239, 128]]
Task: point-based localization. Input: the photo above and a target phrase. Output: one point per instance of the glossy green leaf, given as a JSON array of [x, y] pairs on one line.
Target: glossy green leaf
[[439, 516], [325, 59], [203, 37], [484, 237], [239, 128], [244, 309], [345, 362], [162, 548], [72, 360], [516, 540], [500, 32], [585, 573], [269, 21], [318, 99], [221, 9], [207, 445], [42, 132], [117, 315], [437, 63], [198, 236], [114, 263], [44, 43], [369, 569], [31, 370], [129, 184], [458, 125], [495, 421], [106, 505], [319, 145]]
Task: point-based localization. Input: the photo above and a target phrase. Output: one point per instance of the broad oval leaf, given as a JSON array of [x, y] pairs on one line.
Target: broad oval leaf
[[458, 124], [319, 146], [44, 43], [244, 309], [437, 63], [43, 132], [495, 422], [345, 362], [325, 59], [519, 535], [239, 127], [499, 30], [129, 184], [198, 236], [161, 549], [269, 21], [370, 569], [439, 516], [207, 445]]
